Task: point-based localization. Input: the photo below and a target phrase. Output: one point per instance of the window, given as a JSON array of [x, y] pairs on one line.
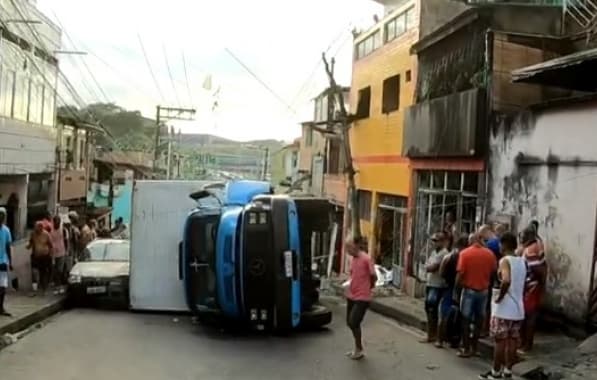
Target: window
[[364, 204], [408, 76], [6, 91], [21, 97], [364, 103], [48, 107], [391, 94], [368, 45], [400, 24], [35, 103], [410, 18]]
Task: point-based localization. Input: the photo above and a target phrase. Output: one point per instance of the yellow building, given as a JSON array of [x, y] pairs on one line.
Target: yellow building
[[383, 83]]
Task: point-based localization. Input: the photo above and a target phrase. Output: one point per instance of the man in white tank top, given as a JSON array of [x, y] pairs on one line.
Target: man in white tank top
[[507, 311]]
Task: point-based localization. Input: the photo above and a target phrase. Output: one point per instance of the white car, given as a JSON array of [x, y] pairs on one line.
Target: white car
[[102, 274]]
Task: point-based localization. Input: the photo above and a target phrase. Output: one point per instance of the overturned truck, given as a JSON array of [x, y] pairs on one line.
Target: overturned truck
[[248, 258]]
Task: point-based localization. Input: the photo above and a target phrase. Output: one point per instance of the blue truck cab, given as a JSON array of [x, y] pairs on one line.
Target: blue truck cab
[[248, 259]]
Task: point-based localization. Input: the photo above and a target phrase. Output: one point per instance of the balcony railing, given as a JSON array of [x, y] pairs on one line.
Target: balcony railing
[[449, 126]]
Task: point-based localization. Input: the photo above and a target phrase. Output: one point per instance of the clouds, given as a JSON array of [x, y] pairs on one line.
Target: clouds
[[281, 41]]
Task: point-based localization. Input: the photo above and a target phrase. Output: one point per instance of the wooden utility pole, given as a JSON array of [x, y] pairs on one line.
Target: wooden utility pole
[[345, 121], [164, 114]]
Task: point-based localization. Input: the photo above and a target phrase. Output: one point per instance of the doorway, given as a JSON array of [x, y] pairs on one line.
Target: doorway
[[391, 222]]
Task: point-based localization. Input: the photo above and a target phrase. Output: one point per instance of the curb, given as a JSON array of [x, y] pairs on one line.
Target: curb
[[485, 345], [30, 319]]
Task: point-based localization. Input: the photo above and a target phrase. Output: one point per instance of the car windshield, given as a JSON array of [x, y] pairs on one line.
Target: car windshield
[[114, 251]]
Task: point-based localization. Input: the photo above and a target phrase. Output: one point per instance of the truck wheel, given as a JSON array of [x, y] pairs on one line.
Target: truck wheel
[[315, 318]]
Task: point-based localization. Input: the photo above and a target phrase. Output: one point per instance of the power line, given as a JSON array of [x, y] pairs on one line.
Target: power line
[[184, 65], [82, 59], [319, 63], [261, 81], [170, 75], [155, 81]]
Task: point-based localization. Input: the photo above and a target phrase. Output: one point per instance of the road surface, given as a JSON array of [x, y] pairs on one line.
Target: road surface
[[100, 345]]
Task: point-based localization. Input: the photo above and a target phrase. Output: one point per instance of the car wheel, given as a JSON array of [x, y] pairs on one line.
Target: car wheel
[[315, 318]]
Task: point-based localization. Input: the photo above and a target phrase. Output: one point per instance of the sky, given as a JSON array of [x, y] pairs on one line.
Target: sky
[[281, 41]]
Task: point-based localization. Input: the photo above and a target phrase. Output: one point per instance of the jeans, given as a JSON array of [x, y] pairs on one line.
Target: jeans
[[473, 304]]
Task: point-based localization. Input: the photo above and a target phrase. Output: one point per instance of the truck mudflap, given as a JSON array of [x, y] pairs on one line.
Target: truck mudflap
[[197, 259], [227, 246]]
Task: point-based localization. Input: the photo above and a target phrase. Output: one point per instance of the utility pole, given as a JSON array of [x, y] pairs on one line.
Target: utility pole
[[265, 164], [345, 121], [169, 157], [164, 114]]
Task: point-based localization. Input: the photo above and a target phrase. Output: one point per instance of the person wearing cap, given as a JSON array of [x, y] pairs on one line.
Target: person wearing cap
[[5, 259], [436, 286]]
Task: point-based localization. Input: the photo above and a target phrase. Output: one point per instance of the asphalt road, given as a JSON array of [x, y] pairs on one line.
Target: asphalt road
[[100, 345]]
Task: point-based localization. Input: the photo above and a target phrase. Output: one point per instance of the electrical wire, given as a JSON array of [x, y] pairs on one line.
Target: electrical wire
[[170, 75], [95, 81], [155, 81], [186, 76], [258, 79]]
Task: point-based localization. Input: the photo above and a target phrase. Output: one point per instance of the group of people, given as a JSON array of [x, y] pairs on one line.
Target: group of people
[[55, 245], [490, 281]]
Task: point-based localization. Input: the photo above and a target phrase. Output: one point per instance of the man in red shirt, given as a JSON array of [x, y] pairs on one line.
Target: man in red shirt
[[476, 266], [362, 280]]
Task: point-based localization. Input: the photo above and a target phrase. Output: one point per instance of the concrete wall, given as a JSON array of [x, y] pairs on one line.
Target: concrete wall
[[543, 166], [435, 13], [25, 148]]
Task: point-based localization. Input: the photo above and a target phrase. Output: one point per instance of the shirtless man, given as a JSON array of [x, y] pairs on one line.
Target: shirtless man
[[41, 247]]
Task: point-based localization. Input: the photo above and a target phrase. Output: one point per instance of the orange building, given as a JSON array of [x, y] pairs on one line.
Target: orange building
[[383, 84]]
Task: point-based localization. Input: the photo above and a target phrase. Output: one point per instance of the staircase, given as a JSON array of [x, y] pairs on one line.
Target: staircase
[[583, 12]]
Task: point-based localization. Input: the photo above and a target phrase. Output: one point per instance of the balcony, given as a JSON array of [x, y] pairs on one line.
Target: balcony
[[73, 185], [334, 188], [449, 126]]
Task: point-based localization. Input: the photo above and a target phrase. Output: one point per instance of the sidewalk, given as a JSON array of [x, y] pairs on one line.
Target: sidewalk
[[27, 311]]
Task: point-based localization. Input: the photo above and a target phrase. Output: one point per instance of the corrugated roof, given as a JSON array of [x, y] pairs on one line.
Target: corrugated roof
[[574, 71]]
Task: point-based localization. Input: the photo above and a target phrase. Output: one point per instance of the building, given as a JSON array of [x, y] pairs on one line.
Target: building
[[543, 167], [285, 166], [384, 74], [319, 143], [28, 77]]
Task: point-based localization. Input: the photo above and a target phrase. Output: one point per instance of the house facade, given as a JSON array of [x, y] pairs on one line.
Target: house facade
[[28, 137]]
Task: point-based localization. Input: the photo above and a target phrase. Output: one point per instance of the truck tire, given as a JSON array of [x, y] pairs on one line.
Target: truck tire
[[315, 318]]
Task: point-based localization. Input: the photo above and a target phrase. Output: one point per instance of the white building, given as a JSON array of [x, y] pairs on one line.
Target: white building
[[28, 78]]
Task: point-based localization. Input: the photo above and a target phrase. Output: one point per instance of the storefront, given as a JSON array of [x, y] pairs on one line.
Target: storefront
[[443, 198]]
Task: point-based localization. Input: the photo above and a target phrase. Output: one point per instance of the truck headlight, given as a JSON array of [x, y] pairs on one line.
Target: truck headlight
[[74, 279], [253, 314], [264, 315]]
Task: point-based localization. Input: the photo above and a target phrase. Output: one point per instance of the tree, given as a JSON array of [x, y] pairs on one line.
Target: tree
[[345, 121]]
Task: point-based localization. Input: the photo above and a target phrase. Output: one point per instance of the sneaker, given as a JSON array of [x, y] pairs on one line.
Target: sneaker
[[491, 375], [507, 374], [5, 313]]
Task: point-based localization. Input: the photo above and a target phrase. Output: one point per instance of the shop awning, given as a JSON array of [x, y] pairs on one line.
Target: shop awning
[[574, 71]]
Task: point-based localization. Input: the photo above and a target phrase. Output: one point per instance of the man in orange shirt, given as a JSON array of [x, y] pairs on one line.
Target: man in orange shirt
[[476, 266]]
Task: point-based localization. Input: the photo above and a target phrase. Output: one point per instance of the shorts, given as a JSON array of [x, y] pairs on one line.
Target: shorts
[[504, 328], [355, 312], [433, 298], [473, 304], [3, 279], [445, 306]]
